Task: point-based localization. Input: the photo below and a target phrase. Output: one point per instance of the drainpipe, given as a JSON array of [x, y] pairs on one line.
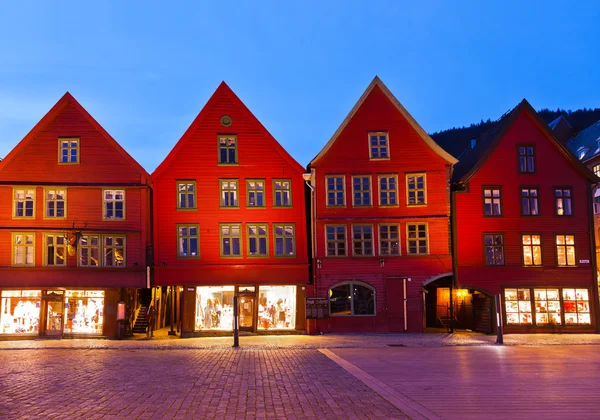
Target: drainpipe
[[593, 259]]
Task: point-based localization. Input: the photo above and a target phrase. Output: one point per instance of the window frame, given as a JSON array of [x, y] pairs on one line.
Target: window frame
[[526, 145], [397, 225], [104, 201], [532, 234], [281, 180], [258, 237], [500, 197], [275, 236], [46, 189], [237, 192], [100, 252], [45, 249], [378, 133], [363, 241], [104, 247], [537, 198], [353, 177], [596, 170], [426, 224], [380, 191], [69, 148], [416, 190], [345, 242], [352, 283], [14, 202], [241, 240], [13, 247], [178, 192], [559, 188], [187, 237], [565, 246], [327, 177], [485, 246], [264, 192], [219, 137]]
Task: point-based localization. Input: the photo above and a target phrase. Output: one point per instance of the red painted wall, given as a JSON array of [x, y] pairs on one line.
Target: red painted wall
[[195, 158]]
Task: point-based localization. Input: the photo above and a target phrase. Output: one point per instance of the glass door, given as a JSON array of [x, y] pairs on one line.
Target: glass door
[[54, 318], [246, 312]]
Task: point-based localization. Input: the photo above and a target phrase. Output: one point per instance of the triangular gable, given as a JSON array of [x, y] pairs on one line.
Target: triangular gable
[[487, 143], [66, 99], [422, 133], [222, 88]]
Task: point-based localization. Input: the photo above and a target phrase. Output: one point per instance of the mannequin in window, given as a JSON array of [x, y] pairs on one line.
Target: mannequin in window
[[218, 309], [208, 312]]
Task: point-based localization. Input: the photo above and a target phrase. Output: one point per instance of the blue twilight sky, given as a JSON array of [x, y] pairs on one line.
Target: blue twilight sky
[[145, 69]]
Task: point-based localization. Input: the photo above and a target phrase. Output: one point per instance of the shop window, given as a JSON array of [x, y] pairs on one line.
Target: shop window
[[576, 303], [255, 193], [228, 153], [84, 311], [277, 307], [214, 308], [529, 202], [55, 250], [565, 250], [56, 203], [24, 203], [258, 240], [68, 150], [285, 240], [532, 250], [379, 145], [89, 251], [114, 204], [114, 251], [562, 201], [336, 190], [518, 306], [189, 241], [20, 311], [352, 298], [547, 306], [416, 190], [526, 158], [336, 240], [362, 240], [492, 202], [361, 191], [494, 249], [417, 239], [186, 195], [231, 237], [388, 190], [389, 239], [23, 249], [229, 193], [282, 193]]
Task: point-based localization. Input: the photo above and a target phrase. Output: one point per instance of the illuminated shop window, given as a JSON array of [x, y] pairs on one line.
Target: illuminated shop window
[[518, 306], [214, 308], [352, 298], [84, 311], [20, 311], [547, 306], [577, 307], [277, 307]]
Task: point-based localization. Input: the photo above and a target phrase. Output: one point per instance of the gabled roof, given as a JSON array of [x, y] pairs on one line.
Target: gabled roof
[[222, 89], [588, 138], [67, 99], [561, 118], [422, 133], [472, 160]]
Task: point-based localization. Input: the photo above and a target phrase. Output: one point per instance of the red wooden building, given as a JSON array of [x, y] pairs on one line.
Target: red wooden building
[[381, 217], [74, 227], [523, 229], [229, 219]]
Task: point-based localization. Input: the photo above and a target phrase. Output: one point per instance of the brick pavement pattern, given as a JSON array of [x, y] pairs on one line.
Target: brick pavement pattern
[[182, 384]]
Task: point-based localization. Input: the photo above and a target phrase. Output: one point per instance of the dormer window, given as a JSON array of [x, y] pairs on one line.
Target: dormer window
[[68, 150], [582, 151], [379, 147]]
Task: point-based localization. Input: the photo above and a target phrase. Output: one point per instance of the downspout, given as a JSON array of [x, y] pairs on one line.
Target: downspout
[[593, 258]]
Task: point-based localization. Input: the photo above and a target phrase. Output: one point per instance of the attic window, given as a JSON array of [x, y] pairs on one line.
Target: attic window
[[378, 145], [228, 150], [526, 159], [68, 150]]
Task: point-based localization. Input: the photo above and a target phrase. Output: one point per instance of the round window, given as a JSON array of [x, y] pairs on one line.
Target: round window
[[226, 120]]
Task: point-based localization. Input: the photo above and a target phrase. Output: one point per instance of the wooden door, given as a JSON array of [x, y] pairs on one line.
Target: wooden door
[[394, 296]]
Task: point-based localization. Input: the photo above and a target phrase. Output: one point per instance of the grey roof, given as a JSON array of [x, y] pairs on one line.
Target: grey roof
[[552, 124], [586, 144]]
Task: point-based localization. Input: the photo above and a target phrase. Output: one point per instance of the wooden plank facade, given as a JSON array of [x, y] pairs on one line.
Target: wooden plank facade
[[74, 228]]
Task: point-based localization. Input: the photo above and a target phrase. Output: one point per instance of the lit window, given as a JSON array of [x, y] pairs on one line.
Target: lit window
[[258, 241], [89, 251], [114, 204], [352, 298], [229, 193], [285, 241], [526, 158], [85, 311], [518, 306], [547, 306], [562, 200], [362, 240], [20, 311], [494, 249], [492, 202], [529, 202], [389, 239], [282, 193], [276, 307], [56, 203], [336, 240], [416, 190], [186, 195], [24, 202], [596, 170], [228, 150], [188, 236], [255, 193], [576, 303], [23, 249], [114, 251], [388, 190], [532, 250], [214, 308], [55, 250], [361, 191], [336, 191], [416, 239], [231, 238], [378, 145], [68, 150], [565, 250]]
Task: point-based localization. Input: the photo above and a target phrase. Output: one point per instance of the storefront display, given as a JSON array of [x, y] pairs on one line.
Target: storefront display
[[84, 311], [214, 308], [577, 307], [518, 306], [20, 311], [277, 307], [547, 306]]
